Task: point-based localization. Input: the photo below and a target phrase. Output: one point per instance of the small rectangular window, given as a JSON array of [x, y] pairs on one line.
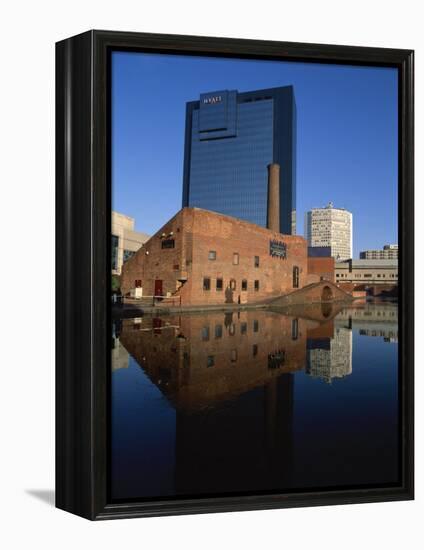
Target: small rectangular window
[[295, 276], [256, 285], [219, 284], [233, 284], [255, 350], [256, 261], [205, 334], [244, 284], [236, 258], [212, 255], [206, 283], [210, 361], [137, 283], [255, 326], [168, 243], [243, 328], [128, 254], [218, 331], [233, 355]]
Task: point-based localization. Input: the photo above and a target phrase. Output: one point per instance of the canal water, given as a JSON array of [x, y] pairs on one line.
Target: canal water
[[254, 401]]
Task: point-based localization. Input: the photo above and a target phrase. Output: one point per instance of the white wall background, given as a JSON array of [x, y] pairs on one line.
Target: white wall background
[[29, 30]]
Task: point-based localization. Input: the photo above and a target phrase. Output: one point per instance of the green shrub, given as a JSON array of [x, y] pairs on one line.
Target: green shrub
[[116, 283]]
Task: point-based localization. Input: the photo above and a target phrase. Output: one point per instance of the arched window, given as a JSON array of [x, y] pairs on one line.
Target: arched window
[[295, 277]]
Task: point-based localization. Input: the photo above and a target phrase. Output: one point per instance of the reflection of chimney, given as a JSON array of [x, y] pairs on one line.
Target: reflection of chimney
[[273, 221]]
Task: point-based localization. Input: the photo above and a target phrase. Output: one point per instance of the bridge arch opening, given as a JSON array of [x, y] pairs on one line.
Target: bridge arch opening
[[326, 309], [327, 294]]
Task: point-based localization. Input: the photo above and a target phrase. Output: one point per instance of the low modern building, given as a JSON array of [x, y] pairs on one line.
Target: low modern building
[[125, 240], [369, 272], [202, 257], [330, 227], [370, 320], [389, 252]]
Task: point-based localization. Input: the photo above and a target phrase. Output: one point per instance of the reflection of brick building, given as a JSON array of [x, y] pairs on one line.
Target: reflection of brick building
[[199, 360], [229, 378], [208, 258]]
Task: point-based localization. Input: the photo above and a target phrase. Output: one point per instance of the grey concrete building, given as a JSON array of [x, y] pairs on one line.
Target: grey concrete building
[[125, 240], [388, 252], [367, 272]]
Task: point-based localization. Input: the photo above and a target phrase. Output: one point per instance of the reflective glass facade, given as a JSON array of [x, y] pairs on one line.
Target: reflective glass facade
[[230, 140]]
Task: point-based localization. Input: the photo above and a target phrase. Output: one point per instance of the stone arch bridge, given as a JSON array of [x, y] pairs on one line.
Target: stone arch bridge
[[321, 292]]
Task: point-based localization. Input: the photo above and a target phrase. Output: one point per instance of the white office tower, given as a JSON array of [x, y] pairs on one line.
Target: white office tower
[[330, 227]]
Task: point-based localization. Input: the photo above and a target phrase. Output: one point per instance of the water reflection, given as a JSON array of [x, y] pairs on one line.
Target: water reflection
[[226, 403]]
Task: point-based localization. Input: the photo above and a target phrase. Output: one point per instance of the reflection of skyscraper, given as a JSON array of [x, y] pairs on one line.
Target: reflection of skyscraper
[[230, 379], [230, 140], [330, 358], [198, 361], [225, 451]]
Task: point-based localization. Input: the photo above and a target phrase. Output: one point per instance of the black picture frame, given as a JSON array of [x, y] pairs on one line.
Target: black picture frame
[[83, 207]]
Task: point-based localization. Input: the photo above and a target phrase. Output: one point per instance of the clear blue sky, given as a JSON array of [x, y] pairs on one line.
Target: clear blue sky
[[346, 135]]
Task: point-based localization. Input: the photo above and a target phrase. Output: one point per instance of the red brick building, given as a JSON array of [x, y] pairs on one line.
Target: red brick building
[[322, 267], [207, 258]]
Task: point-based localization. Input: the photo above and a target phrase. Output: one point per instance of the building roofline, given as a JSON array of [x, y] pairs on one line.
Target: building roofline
[[368, 263], [196, 102], [227, 217]]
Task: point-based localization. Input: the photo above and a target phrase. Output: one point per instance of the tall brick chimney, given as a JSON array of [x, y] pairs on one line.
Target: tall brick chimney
[[273, 214]]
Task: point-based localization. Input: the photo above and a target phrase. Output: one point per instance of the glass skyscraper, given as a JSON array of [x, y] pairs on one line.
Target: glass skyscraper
[[230, 139]]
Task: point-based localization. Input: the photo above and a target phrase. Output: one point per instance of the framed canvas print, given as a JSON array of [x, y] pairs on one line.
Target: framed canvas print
[[234, 274]]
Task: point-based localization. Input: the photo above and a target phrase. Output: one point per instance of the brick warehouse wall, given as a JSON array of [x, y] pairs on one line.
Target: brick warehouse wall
[[322, 267], [228, 236], [152, 262], [196, 232]]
